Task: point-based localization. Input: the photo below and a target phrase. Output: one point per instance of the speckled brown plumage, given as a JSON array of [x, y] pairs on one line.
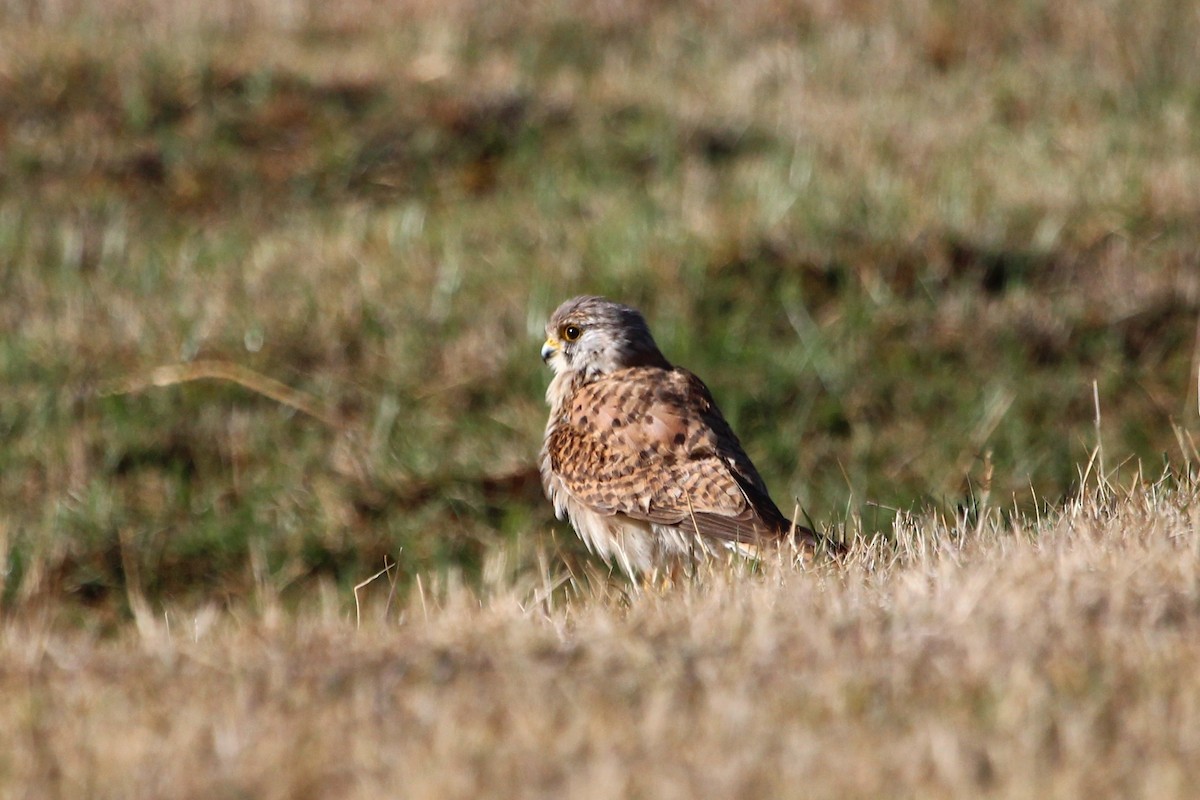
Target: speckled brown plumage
[[637, 454]]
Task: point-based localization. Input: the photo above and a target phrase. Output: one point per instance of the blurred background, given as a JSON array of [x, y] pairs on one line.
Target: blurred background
[[911, 246]]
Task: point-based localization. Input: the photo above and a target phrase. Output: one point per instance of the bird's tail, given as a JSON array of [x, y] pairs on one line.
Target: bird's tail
[[808, 540]]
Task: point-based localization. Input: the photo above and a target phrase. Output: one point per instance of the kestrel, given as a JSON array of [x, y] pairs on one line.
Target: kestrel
[[638, 456]]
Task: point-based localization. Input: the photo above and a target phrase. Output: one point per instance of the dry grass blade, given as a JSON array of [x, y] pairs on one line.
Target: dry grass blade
[[387, 569], [174, 374]]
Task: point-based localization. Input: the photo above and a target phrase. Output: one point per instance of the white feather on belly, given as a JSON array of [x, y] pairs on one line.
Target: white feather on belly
[[637, 547]]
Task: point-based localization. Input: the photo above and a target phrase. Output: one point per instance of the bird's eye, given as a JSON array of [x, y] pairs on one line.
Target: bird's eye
[[571, 332]]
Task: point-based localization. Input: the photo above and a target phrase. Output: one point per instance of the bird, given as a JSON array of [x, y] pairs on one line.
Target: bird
[[637, 455]]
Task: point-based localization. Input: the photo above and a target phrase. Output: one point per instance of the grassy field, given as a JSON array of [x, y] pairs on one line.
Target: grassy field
[[1055, 659], [928, 256]]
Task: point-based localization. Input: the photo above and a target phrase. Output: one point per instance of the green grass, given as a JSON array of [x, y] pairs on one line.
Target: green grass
[[892, 239]]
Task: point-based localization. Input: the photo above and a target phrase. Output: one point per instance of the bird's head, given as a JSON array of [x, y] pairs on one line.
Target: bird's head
[[592, 336]]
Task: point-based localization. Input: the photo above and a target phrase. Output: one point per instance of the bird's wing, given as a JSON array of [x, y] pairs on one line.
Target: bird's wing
[[651, 444]]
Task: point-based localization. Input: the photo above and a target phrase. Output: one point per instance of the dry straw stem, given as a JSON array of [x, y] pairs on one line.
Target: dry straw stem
[[1015, 659], [174, 374]]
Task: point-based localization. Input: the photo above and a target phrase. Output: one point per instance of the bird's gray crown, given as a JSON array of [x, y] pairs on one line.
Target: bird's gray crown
[[598, 336]]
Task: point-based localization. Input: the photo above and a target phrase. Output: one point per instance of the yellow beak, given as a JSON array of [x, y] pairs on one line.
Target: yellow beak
[[549, 348]]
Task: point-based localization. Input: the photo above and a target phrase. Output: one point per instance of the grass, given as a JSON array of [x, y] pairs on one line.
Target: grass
[[913, 249], [893, 240], [1007, 658]]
